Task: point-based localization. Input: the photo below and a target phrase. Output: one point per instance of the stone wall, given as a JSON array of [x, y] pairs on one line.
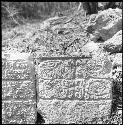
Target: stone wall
[[18, 89], [75, 90], [78, 73]]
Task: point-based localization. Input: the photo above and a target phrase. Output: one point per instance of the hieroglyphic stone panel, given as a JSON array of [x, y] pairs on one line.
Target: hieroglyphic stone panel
[[85, 88], [61, 89], [18, 89], [98, 89], [16, 69], [56, 69], [93, 68]]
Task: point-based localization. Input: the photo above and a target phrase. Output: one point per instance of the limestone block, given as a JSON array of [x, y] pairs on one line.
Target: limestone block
[[18, 90], [18, 112], [56, 69], [61, 89], [17, 66], [15, 70], [114, 45], [73, 111], [99, 67], [98, 89]]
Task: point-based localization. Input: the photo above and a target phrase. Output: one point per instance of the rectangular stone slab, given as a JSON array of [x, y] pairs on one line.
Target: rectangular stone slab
[[17, 68], [18, 90], [73, 111], [91, 93], [18, 112]]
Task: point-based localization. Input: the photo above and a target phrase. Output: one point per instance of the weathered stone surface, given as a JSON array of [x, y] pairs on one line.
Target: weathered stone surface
[[117, 75], [56, 69], [82, 88], [15, 66], [106, 24], [114, 45], [18, 112], [75, 89], [18, 90], [98, 89], [64, 112], [98, 67], [117, 68], [118, 59], [90, 49], [61, 89], [16, 70]]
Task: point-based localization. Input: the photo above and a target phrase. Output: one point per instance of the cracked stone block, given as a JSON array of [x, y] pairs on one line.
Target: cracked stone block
[[18, 112], [18, 90]]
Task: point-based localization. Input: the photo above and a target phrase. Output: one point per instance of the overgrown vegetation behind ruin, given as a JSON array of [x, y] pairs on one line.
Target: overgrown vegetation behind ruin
[[15, 13]]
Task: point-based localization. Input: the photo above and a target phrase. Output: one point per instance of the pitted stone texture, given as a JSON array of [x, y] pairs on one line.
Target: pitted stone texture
[[114, 45], [16, 70], [61, 89], [98, 67], [64, 112], [98, 89], [56, 69], [116, 59], [18, 90], [88, 74], [18, 112], [15, 66], [105, 25]]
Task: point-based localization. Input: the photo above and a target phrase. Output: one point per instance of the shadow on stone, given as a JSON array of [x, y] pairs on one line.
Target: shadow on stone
[[40, 119]]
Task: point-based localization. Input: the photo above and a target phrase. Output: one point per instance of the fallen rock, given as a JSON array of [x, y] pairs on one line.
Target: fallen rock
[[114, 45], [105, 24]]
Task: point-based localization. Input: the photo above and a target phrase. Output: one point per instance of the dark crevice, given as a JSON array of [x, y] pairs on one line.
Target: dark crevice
[[40, 119], [100, 40]]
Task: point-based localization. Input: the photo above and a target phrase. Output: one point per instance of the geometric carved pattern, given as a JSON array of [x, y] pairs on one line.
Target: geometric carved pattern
[[93, 68], [56, 69], [98, 89], [80, 89], [18, 91], [16, 69]]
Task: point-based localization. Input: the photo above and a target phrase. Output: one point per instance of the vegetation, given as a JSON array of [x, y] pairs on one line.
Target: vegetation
[[15, 13]]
